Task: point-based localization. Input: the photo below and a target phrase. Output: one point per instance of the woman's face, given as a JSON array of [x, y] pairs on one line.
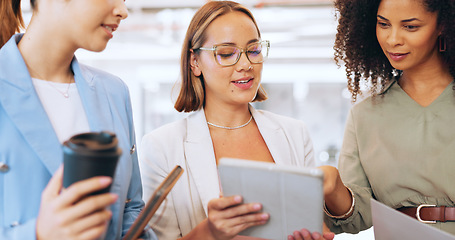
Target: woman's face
[[89, 24], [236, 84], [407, 33]]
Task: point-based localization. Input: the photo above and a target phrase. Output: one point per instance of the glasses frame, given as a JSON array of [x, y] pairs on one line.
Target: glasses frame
[[242, 50]]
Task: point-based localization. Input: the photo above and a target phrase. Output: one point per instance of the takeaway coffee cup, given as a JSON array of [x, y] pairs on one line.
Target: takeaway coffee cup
[[90, 154]]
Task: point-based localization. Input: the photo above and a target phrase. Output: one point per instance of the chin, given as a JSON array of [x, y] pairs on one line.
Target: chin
[[247, 99], [399, 67], [97, 47]]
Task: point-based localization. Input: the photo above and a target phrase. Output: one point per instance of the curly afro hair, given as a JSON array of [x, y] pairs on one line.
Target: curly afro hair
[[357, 47]]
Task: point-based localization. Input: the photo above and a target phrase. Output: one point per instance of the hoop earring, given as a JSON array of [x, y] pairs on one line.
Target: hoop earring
[[442, 44]]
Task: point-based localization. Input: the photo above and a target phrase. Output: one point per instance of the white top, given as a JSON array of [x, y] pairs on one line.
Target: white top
[[66, 114]]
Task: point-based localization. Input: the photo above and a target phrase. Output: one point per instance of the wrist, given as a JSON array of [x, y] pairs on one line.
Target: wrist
[[347, 213], [339, 190], [210, 235], [201, 231]]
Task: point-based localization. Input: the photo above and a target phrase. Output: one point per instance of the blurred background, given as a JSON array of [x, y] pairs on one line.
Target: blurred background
[[300, 76]]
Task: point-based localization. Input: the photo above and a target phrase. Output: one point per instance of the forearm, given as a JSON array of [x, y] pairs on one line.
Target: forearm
[[339, 202]]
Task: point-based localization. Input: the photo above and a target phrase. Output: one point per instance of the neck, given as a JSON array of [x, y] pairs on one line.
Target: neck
[[433, 74], [227, 116], [426, 80], [46, 56]]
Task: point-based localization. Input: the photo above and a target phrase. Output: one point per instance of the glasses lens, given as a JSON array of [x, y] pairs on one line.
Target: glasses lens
[[257, 52], [227, 55]]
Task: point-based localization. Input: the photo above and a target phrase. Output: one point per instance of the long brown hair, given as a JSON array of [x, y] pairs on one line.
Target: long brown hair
[[192, 93], [10, 19]]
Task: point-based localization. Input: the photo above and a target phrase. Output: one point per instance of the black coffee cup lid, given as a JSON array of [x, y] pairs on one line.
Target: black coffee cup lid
[[93, 141]]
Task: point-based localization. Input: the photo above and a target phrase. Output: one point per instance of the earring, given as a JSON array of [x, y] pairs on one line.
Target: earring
[[442, 44]]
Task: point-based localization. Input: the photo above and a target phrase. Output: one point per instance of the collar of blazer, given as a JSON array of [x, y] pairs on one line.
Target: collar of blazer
[[200, 156], [22, 104]]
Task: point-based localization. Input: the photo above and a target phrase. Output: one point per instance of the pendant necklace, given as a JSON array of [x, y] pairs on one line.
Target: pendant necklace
[[64, 93]]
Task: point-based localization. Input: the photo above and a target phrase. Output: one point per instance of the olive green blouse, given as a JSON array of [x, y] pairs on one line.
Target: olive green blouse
[[400, 153]]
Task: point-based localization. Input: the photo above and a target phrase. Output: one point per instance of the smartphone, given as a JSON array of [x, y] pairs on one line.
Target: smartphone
[[153, 204]]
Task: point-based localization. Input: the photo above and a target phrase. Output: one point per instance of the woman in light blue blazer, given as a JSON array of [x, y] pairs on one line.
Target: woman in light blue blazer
[[221, 65], [47, 96]]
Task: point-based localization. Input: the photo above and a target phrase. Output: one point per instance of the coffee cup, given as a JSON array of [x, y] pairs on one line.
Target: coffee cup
[[88, 155]]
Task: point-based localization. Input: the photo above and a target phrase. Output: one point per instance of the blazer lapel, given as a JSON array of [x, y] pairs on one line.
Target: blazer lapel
[[274, 136], [94, 98], [200, 154], [23, 106], [200, 157]]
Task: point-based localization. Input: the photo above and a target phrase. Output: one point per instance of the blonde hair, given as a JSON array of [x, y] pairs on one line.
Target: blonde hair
[[192, 89]]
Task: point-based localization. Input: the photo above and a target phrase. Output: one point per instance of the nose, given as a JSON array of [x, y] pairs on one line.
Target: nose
[[121, 10], [394, 37], [244, 63]]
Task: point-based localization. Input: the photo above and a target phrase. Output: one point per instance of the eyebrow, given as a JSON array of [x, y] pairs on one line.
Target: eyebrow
[[406, 20], [231, 43]]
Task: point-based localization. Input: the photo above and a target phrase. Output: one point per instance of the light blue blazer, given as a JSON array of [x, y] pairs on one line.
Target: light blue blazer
[[32, 153]]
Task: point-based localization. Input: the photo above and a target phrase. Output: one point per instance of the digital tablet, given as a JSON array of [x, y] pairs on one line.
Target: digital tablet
[[293, 196]]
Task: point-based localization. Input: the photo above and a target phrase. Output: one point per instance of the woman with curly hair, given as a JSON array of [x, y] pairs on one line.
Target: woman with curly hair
[[399, 142]]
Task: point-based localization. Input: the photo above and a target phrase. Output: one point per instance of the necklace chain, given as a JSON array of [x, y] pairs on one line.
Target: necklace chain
[[64, 93], [231, 128]]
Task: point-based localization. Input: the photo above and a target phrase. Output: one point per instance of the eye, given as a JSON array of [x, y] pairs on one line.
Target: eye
[[383, 24], [226, 52], [225, 55], [254, 51], [411, 27]]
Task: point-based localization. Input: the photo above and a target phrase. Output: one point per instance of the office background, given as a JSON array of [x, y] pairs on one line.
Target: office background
[[300, 76]]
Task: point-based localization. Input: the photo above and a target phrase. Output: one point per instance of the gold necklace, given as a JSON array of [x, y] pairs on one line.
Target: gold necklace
[[231, 128]]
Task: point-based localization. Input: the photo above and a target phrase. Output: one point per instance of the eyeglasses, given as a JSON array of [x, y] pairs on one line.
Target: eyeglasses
[[228, 55]]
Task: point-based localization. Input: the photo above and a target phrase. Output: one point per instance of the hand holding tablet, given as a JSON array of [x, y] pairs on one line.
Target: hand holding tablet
[[292, 196]]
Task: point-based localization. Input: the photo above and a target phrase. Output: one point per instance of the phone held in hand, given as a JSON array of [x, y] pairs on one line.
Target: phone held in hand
[[153, 204]]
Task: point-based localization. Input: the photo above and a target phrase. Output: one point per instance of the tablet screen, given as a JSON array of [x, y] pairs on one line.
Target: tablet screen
[[293, 196]]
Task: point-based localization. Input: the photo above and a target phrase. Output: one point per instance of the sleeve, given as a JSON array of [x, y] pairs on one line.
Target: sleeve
[[354, 177], [136, 204], [24, 231], [309, 149], [154, 168]]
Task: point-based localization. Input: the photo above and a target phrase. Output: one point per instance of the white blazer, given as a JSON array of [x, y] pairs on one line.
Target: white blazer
[[187, 143]]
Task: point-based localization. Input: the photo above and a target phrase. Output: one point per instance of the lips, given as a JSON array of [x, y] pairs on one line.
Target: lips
[[397, 56], [110, 28], [244, 83]]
